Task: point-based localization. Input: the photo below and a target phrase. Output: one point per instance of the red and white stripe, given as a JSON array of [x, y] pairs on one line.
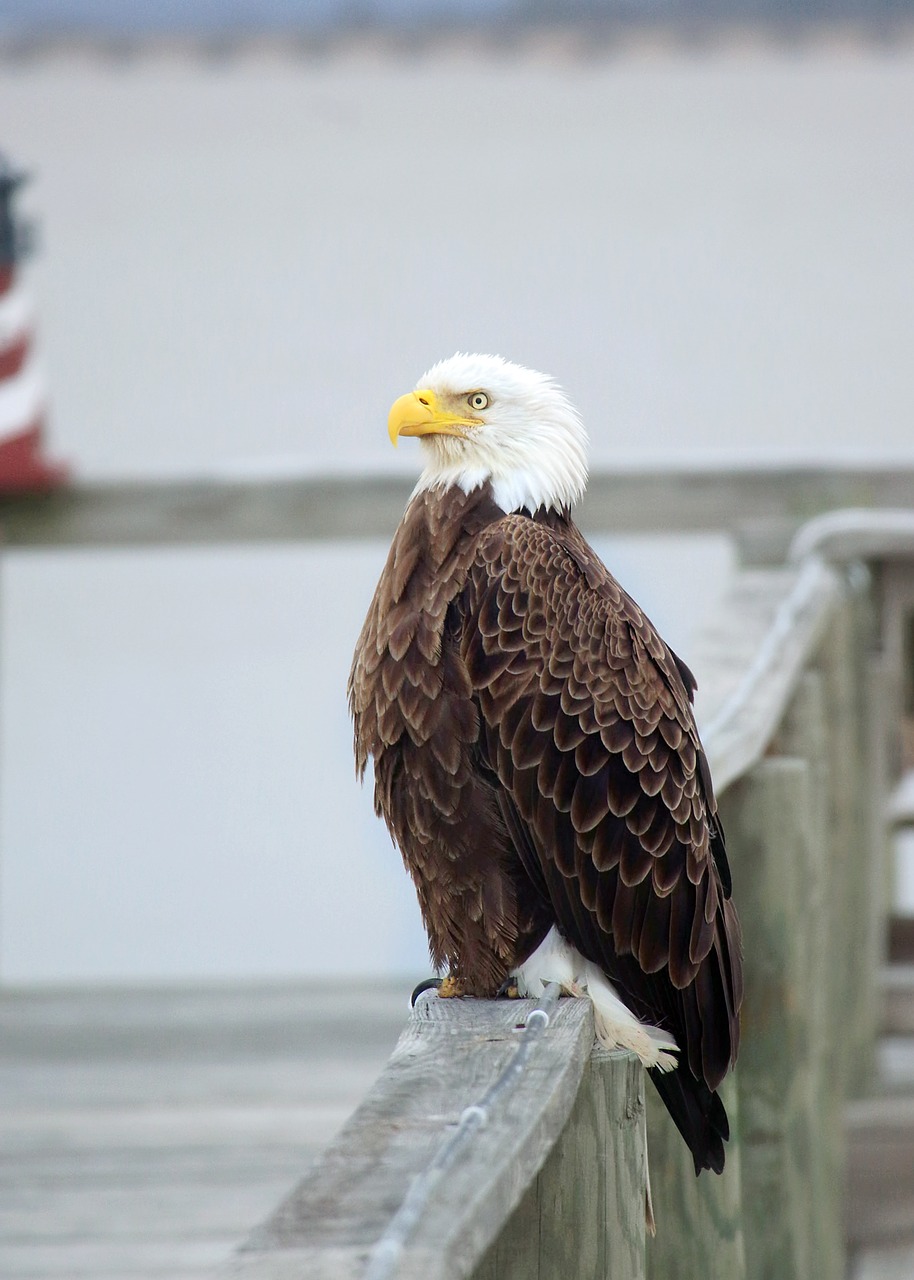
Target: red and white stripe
[[22, 395]]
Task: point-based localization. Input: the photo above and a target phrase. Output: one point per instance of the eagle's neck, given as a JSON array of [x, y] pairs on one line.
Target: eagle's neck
[[535, 477]]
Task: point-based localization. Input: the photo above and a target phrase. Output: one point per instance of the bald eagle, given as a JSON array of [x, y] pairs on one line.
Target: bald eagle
[[535, 753]]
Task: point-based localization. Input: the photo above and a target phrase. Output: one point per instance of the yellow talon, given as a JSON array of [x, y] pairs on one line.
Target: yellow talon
[[450, 988]]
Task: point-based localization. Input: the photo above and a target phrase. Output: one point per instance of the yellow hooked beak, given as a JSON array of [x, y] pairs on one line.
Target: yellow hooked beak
[[419, 414]]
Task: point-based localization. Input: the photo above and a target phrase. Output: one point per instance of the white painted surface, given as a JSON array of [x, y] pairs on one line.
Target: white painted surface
[[249, 261], [710, 251], [178, 788], [180, 793], [22, 399], [16, 315]]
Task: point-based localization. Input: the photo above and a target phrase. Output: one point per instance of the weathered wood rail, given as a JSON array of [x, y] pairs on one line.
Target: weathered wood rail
[[763, 507], [806, 713], [563, 1102]]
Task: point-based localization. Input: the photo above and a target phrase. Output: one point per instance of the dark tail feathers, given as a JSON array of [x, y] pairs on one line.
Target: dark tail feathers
[[698, 1113]]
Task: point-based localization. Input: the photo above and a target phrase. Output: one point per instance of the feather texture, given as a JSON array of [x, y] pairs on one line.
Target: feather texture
[[537, 762]]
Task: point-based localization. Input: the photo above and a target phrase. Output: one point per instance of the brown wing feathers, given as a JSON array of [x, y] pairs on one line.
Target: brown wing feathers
[[586, 722], [537, 762], [415, 713]]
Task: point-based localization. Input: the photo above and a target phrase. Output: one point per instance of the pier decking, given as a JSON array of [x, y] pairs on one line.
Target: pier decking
[[145, 1131]]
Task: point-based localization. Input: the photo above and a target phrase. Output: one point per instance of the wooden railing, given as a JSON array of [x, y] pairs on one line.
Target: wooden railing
[[798, 675], [761, 507]]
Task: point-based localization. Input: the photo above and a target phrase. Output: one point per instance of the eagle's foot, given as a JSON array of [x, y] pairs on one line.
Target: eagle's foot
[[451, 988], [508, 990]]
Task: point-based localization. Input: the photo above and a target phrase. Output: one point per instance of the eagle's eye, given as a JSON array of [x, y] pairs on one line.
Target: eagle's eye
[[478, 400]]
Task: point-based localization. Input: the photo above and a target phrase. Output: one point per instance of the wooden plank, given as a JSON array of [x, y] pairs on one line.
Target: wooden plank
[[699, 1220], [117, 1051], [894, 588], [154, 1127], [804, 734], [199, 1021], [766, 816], [123, 1212], [728, 642], [879, 1197], [449, 1054], [46, 1175], [855, 533], [853, 974], [144, 1130], [230, 509], [122, 1261], [582, 1218], [877, 863], [871, 870], [748, 662]]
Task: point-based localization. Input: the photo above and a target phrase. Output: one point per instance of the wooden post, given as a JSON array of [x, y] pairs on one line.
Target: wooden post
[[867, 856], [878, 717], [767, 816], [583, 1216], [803, 733], [849, 842], [699, 1220]]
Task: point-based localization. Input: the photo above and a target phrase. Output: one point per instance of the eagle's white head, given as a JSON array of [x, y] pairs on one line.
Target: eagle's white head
[[482, 419]]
